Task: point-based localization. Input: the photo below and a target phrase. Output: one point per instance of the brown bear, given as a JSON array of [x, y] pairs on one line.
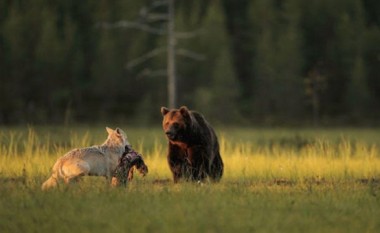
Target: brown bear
[[193, 152]]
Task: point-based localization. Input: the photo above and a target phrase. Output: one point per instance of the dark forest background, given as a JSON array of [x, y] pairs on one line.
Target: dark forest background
[[264, 61]]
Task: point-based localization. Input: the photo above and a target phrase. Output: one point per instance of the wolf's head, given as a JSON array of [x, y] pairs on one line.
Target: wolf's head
[[116, 137]]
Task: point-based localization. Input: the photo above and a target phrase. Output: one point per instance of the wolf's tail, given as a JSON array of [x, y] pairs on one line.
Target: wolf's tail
[[52, 182]]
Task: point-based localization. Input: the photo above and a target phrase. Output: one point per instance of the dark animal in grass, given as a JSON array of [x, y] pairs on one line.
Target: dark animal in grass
[[129, 160], [193, 152]]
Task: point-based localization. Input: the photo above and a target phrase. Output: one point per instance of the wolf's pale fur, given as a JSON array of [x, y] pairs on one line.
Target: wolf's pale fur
[[93, 161]]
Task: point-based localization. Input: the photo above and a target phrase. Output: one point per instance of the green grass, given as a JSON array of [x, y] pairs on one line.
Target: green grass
[[276, 180]]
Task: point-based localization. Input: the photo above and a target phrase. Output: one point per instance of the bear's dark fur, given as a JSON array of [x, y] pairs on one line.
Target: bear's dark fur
[[193, 152]]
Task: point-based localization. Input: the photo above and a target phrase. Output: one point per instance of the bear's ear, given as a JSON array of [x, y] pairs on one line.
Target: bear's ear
[[164, 110], [184, 111]]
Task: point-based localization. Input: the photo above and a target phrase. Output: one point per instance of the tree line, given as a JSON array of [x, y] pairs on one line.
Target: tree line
[[265, 61]]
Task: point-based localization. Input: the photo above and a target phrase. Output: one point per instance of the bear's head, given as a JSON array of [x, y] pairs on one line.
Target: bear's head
[[176, 122]]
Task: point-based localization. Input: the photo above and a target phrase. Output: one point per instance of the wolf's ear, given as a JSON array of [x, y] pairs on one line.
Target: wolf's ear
[[117, 130], [109, 130], [164, 111]]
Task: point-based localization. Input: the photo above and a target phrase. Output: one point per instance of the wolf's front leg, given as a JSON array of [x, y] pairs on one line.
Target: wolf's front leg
[[130, 174]]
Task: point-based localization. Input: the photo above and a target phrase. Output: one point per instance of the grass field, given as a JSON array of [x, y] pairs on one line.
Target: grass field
[[275, 180]]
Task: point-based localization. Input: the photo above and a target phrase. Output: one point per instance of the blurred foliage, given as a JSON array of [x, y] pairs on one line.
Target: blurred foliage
[[58, 66]]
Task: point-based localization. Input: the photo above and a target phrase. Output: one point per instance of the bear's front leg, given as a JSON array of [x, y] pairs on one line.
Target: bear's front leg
[[197, 158], [176, 167], [177, 162]]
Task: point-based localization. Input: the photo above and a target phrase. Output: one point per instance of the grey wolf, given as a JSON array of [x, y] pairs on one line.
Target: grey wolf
[[90, 161]]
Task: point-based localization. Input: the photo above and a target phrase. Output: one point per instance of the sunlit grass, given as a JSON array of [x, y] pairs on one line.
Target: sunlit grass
[[34, 154], [275, 180]]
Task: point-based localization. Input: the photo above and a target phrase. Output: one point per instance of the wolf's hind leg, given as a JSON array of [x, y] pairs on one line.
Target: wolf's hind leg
[[71, 180], [74, 170]]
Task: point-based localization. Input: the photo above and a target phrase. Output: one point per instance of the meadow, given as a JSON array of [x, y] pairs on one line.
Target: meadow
[[275, 180]]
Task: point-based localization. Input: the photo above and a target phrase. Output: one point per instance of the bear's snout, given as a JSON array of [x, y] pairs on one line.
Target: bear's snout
[[173, 132], [170, 134]]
